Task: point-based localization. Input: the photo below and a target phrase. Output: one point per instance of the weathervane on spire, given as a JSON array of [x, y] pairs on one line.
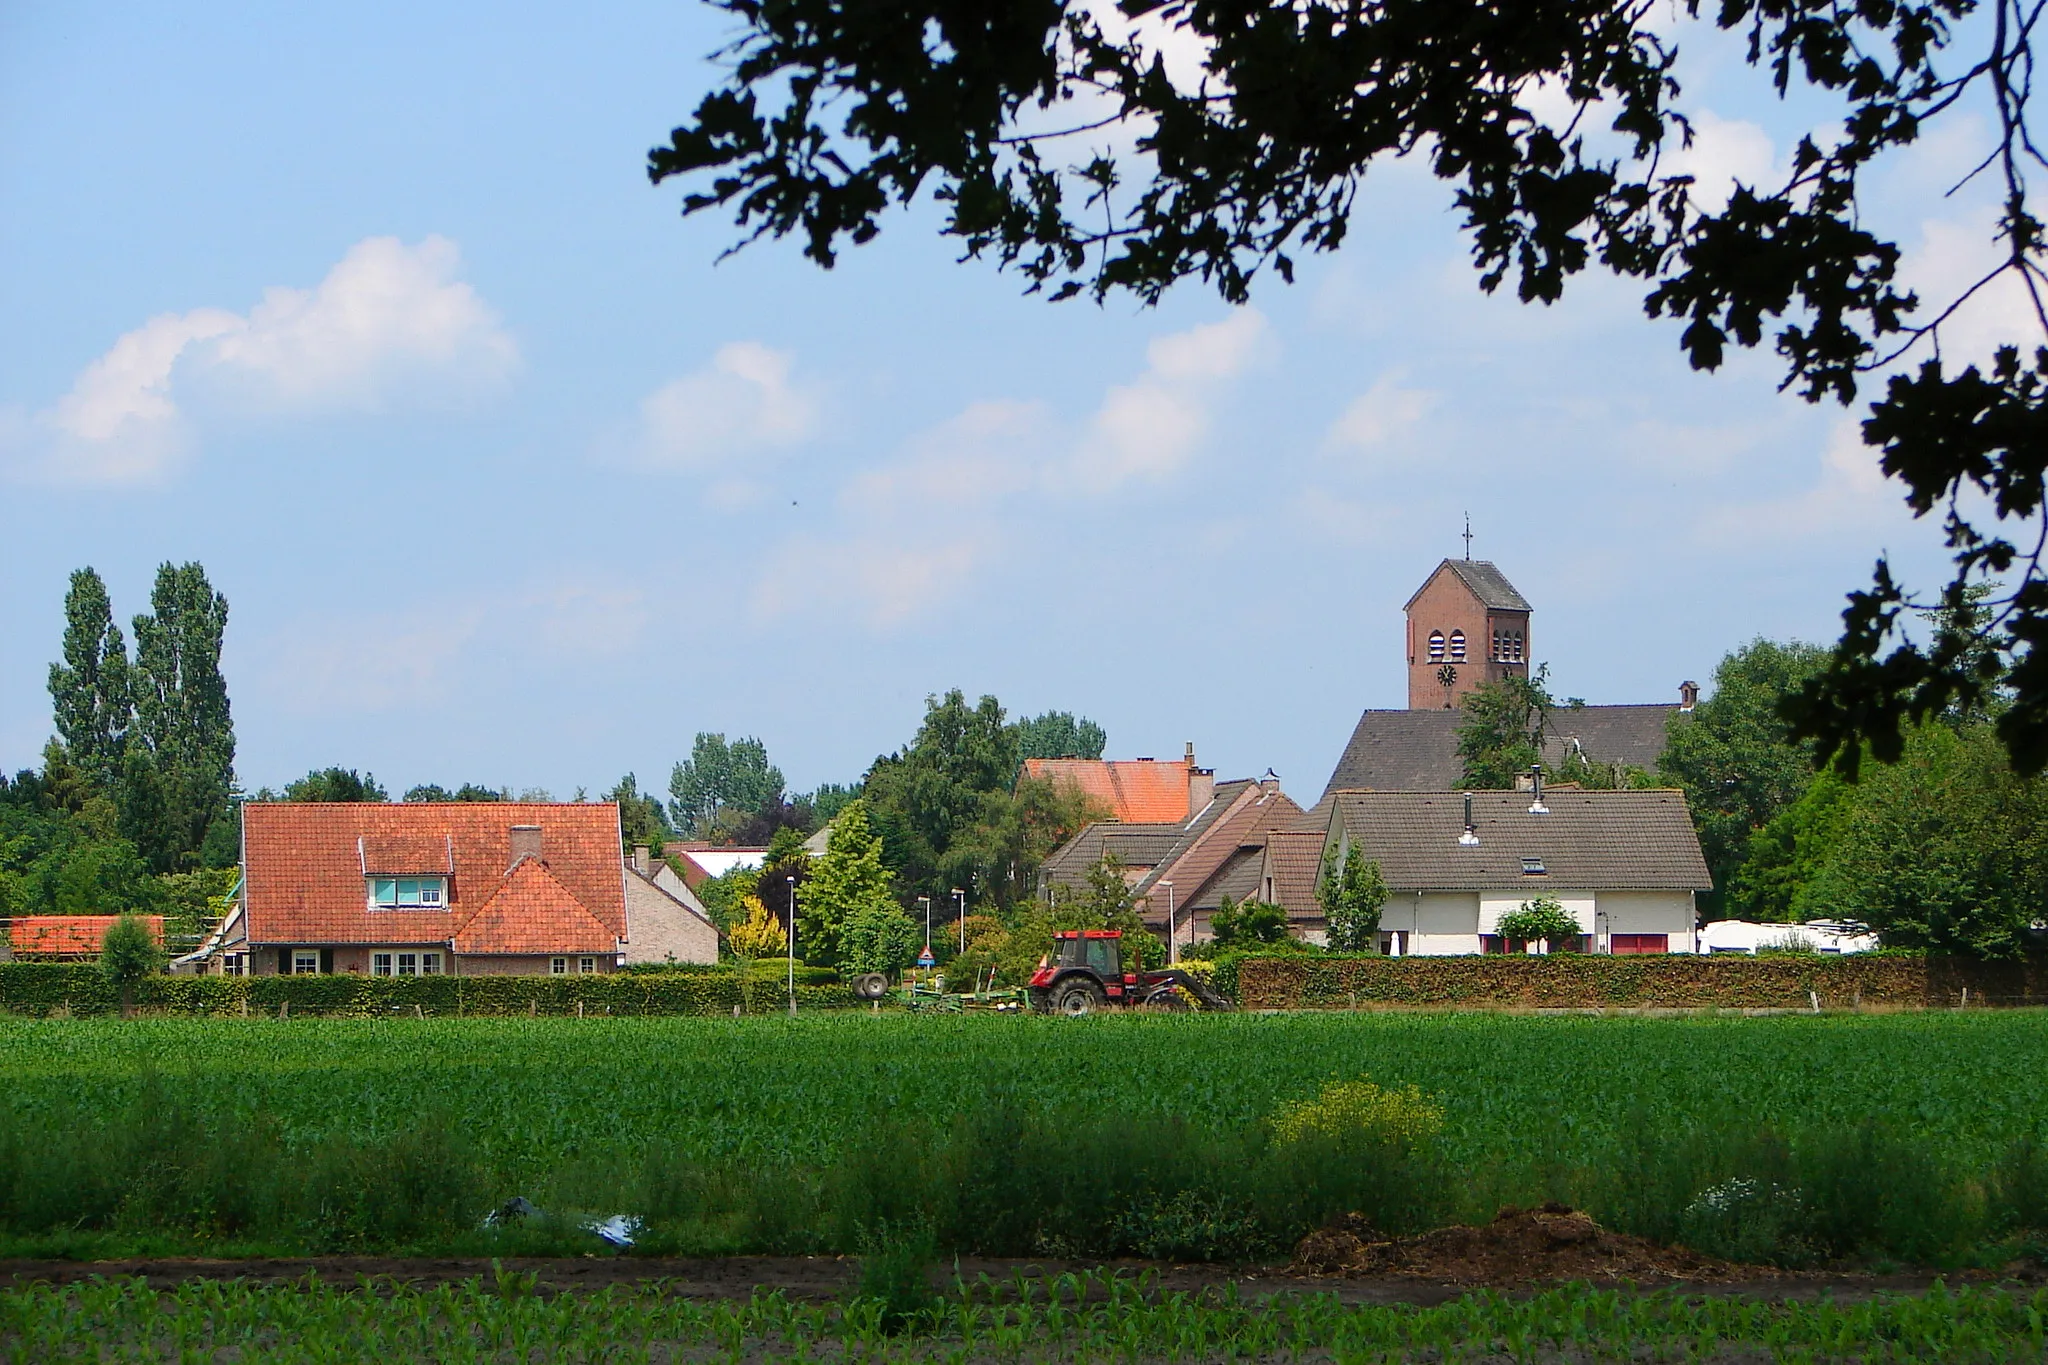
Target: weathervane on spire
[[1468, 536]]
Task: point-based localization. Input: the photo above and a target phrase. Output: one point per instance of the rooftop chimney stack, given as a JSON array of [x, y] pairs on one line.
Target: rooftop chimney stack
[[525, 843], [641, 854], [1470, 838], [1536, 806], [1688, 695]]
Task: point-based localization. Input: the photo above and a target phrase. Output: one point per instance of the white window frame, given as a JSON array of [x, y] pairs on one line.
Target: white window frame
[[380, 964], [300, 956], [586, 966], [558, 966], [430, 964], [409, 964], [428, 893]]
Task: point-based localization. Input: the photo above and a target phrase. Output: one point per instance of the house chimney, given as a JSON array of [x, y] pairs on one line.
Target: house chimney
[[1201, 786], [1536, 806], [1470, 838], [525, 843], [640, 858], [1688, 695]]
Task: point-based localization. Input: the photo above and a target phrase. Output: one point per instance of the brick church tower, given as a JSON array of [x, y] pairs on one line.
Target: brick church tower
[[1466, 625]]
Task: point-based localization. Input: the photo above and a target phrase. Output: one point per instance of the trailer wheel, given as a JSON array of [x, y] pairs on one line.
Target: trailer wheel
[[870, 986], [1076, 998]]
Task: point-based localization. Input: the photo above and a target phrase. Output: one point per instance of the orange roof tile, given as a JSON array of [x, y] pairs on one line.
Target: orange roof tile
[[304, 876], [1136, 791], [531, 913], [69, 935]]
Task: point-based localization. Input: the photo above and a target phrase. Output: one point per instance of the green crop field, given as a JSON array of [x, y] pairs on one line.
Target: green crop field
[[770, 1134], [1071, 1319]]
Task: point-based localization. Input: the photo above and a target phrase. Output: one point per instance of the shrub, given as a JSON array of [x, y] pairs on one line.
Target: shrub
[[1360, 1109]]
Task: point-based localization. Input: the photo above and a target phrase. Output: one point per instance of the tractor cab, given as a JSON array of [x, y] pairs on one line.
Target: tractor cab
[[1095, 950]]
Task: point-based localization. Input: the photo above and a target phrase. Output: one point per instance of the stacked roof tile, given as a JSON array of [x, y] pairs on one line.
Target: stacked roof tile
[[1135, 791]]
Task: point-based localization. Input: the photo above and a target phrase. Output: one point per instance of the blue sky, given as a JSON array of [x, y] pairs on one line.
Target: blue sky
[[371, 310]]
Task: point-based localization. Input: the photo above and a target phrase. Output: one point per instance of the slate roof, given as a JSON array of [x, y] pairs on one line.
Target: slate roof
[[303, 866], [1135, 791], [1486, 582], [68, 935], [1418, 750], [1590, 840], [532, 914]]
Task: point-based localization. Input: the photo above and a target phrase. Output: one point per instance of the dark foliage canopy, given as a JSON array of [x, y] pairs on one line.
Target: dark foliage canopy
[[835, 110]]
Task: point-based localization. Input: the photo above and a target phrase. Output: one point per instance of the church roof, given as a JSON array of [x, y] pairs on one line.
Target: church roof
[[1485, 581], [1418, 750]]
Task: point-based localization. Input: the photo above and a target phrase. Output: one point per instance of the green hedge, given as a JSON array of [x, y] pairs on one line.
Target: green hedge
[[1586, 981], [41, 988]]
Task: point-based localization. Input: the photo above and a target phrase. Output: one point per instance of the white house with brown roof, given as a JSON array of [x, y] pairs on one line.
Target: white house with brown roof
[[427, 888], [1625, 864]]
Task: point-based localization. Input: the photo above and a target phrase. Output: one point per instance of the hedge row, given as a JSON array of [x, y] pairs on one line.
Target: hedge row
[[1677, 981], [43, 988]]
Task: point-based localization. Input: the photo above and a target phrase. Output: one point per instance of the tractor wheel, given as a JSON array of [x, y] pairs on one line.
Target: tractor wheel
[[1077, 998], [1041, 1001]]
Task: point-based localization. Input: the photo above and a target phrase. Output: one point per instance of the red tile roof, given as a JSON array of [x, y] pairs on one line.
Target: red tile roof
[[1136, 791], [532, 913], [68, 935], [304, 874]]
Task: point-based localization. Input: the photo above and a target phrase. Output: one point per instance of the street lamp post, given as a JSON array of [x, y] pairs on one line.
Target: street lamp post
[[960, 902], [1172, 938], [926, 902], [792, 945]]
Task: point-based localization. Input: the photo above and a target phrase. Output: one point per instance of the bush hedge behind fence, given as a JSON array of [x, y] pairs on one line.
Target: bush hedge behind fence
[[43, 988], [1675, 981]]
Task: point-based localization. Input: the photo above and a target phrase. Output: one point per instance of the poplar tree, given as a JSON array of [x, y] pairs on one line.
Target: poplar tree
[[89, 691], [183, 726]]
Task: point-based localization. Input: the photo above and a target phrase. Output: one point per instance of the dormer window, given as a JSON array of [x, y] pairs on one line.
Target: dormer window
[[1533, 867], [408, 893], [1436, 646], [1458, 646]]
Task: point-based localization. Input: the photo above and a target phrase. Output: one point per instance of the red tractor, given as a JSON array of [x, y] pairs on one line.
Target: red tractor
[[1084, 972]]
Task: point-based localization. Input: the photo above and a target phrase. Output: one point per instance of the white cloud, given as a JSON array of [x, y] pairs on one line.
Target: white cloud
[[1850, 494], [389, 324], [1149, 429], [1381, 414], [743, 402], [384, 661], [1724, 152], [883, 583], [1952, 255]]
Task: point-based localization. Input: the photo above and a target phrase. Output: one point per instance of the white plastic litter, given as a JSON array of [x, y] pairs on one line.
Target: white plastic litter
[[620, 1229]]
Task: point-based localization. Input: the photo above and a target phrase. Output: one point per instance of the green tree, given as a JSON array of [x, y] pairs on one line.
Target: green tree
[[89, 691], [1352, 892], [1247, 924], [1947, 850], [998, 856], [1500, 733], [640, 817], [877, 937], [1060, 734], [468, 791], [1736, 757], [182, 718], [786, 859], [1542, 920], [335, 784], [1776, 879], [830, 113], [827, 801], [719, 779], [848, 880], [929, 796], [130, 955]]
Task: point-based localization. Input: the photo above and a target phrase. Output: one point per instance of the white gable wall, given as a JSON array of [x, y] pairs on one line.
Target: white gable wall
[[1651, 912]]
